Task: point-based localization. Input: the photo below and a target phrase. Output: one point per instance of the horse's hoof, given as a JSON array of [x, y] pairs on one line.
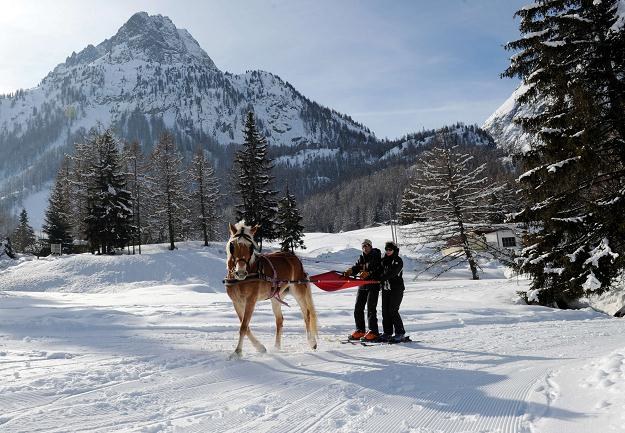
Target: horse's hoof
[[314, 347], [262, 349], [234, 355]]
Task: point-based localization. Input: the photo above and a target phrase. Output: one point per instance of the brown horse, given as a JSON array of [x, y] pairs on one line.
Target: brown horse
[[253, 277]]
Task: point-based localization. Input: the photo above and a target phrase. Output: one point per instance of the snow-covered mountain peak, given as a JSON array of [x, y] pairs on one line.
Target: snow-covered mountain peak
[[157, 36], [153, 38]]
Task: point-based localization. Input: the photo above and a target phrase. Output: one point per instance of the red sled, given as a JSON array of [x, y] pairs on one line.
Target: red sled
[[333, 281]]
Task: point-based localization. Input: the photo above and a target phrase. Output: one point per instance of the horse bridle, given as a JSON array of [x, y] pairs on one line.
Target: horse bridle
[[239, 259]]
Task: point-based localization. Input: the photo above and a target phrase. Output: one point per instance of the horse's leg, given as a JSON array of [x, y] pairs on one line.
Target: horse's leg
[[277, 312], [250, 304], [239, 307], [253, 339], [244, 306], [303, 296]]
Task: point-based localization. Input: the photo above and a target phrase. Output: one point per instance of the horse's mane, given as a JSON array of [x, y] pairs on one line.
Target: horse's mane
[[244, 234]]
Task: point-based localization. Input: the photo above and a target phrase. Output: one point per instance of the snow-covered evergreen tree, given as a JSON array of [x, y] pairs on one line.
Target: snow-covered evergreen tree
[[169, 196], [571, 59], [253, 183], [204, 194], [447, 195], [57, 218], [75, 173], [109, 219], [24, 235], [290, 229]]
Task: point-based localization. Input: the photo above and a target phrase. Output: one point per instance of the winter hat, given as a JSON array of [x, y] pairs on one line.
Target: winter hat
[[391, 245], [367, 242]]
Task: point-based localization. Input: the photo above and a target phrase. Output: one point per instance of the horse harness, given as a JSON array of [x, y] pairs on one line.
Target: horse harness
[[260, 275]]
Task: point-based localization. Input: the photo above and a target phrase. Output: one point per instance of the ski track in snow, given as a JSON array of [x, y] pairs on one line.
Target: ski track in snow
[[153, 359]]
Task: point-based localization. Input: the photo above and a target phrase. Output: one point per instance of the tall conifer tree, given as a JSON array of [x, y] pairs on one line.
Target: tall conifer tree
[[109, 219], [571, 60], [204, 194], [24, 235], [136, 167], [56, 222], [253, 183], [170, 196], [290, 229], [79, 181]]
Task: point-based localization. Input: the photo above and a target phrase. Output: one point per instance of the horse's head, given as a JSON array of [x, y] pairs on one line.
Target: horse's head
[[241, 250]]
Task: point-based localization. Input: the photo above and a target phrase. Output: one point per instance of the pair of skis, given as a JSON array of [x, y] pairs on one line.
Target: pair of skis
[[406, 339]]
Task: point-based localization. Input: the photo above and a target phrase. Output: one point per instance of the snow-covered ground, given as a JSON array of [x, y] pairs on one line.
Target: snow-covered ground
[[139, 343]]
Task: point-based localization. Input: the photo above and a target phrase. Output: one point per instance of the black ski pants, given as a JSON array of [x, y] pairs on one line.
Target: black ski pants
[[391, 300], [367, 295]]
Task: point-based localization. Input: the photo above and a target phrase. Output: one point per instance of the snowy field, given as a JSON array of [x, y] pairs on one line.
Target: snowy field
[[139, 343]]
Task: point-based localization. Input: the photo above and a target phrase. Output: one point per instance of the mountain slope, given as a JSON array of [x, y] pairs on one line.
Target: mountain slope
[[150, 76]]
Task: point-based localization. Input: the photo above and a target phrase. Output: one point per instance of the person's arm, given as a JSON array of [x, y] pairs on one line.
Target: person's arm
[[356, 268], [396, 267], [359, 265]]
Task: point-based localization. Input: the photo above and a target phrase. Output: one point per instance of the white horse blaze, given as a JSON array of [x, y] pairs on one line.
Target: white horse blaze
[[240, 270]]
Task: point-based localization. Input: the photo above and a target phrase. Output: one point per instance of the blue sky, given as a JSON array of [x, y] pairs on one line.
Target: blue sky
[[396, 66]]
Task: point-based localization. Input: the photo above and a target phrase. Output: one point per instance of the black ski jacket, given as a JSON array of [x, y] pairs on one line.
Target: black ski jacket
[[371, 263], [392, 271]]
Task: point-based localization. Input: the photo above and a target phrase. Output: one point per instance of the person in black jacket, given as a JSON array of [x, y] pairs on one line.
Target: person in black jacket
[[392, 283], [368, 266]]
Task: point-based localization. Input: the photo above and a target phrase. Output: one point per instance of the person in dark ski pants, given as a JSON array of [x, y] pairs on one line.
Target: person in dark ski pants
[[368, 266], [392, 282]]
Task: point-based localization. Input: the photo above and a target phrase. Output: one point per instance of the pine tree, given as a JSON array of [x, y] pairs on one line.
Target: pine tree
[[56, 222], [290, 231], [449, 196], [204, 195], [169, 194], [136, 167], [253, 183], [24, 235], [571, 60], [109, 219], [76, 175]]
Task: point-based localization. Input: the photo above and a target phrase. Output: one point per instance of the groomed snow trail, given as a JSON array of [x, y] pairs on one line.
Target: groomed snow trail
[[153, 359]]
